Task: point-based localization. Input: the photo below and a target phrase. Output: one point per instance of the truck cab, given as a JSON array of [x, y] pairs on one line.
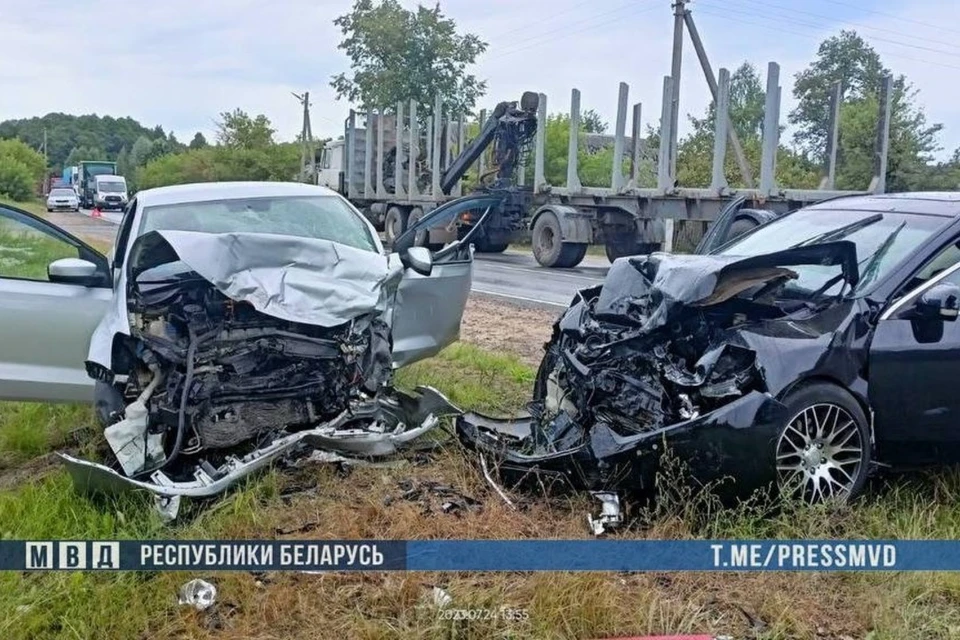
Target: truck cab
[[329, 173], [109, 191]]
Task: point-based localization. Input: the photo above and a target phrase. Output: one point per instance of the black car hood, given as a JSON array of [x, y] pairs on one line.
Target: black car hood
[[646, 290]]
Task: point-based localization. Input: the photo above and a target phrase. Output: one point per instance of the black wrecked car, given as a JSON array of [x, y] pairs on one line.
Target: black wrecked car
[[807, 352]]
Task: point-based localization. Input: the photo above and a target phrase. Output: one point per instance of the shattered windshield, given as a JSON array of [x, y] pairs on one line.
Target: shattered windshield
[[883, 240], [317, 217]]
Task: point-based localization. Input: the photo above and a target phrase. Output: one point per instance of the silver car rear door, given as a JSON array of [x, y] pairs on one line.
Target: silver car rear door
[[428, 308], [46, 319]]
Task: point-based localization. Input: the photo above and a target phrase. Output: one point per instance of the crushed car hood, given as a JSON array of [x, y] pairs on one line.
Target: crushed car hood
[[661, 283], [307, 280]]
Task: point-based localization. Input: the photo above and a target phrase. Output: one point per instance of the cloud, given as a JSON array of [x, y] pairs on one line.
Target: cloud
[[179, 63]]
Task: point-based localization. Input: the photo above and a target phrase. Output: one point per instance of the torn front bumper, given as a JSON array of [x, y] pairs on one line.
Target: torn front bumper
[[736, 441], [375, 428]]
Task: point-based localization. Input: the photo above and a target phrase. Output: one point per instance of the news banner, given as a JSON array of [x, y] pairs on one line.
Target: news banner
[[480, 555]]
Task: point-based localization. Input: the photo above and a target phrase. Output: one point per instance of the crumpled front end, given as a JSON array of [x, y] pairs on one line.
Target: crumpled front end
[[659, 357], [226, 367]]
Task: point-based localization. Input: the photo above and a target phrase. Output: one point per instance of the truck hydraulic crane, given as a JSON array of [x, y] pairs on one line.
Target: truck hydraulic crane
[[394, 193]]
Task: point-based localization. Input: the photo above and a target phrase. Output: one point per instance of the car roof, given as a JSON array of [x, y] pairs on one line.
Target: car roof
[[207, 191], [945, 204]]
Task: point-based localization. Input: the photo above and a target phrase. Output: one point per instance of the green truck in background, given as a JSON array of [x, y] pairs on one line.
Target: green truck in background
[[86, 186]]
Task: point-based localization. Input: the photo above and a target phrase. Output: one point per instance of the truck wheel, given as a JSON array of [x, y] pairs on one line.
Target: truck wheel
[[395, 223], [549, 249], [483, 245], [422, 237]]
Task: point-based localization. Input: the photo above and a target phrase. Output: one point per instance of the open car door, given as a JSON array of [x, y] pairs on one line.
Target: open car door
[[433, 293], [54, 288]]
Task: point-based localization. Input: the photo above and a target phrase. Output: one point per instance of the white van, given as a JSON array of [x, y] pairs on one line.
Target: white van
[[110, 192]]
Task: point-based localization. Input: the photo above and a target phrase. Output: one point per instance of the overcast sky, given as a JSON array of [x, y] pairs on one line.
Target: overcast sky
[[178, 63]]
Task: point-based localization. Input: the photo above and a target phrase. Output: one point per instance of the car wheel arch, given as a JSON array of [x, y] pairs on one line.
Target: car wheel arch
[[822, 378]]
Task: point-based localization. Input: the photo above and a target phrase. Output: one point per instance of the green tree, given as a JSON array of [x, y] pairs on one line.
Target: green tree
[[78, 154], [275, 162], [66, 132], [198, 142], [237, 129], [848, 59], [592, 122], [398, 55], [21, 170], [695, 151]]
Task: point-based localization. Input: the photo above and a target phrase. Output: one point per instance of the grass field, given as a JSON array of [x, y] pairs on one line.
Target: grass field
[[37, 501]]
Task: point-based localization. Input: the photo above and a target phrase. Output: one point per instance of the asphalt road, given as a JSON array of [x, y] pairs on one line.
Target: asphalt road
[[514, 276]]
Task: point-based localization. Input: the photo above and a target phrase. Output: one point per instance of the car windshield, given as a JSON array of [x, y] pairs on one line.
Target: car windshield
[[112, 187], [882, 240], [61, 193], [319, 217]]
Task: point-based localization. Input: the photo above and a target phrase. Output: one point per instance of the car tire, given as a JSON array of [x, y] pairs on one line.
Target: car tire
[[107, 403], [823, 449]]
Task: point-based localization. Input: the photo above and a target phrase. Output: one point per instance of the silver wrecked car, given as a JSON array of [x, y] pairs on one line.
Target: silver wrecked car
[[233, 323]]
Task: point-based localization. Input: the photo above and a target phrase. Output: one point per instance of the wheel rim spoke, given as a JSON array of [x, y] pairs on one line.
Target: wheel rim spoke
[[822, 447]]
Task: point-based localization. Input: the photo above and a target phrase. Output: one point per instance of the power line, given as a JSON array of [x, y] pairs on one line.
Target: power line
[[511, 49], [542, 21], [726, 8], [781, 29], [787, 10], [895, 17]]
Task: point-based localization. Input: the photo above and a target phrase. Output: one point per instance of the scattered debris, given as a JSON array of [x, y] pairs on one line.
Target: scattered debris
[[424, 492], [309, 526], [167, 507], [199, 594], [493, 483], [441, 597], [610, 516]]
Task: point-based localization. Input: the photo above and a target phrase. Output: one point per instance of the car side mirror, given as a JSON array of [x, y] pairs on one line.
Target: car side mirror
[[419, 259], [941, 301], [74, 271]]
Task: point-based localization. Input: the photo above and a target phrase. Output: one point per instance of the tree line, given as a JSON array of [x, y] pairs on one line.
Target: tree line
[[398, 54]]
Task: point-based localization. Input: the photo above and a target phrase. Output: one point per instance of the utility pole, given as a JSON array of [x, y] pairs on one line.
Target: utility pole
[[46, 178], [679, 9], [308, 164]]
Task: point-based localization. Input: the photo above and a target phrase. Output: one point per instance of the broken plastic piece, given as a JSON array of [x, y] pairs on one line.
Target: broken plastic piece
[[441, 598], [167, 506], [199, 594], [610, 516]]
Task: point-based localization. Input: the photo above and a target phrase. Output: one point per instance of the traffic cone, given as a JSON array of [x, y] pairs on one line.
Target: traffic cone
[[96, 213]]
